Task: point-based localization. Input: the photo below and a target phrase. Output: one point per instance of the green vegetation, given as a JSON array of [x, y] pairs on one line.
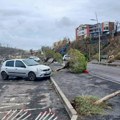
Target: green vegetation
[[77, 63], [49, 53], [58, 57], [84, 105], [52, 54], [96, 56], [62, 46]]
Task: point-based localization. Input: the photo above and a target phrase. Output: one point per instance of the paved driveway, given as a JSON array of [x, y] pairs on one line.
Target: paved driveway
[[34, 96]]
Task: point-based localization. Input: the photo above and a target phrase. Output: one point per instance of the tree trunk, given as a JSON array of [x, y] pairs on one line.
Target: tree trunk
[[107, 97], [66, 66]]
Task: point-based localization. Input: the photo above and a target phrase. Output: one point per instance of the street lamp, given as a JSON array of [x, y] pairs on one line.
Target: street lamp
[[98, 35]]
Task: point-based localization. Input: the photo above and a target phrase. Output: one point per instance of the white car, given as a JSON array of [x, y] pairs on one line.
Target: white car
[[66, 57], [37, 59], [24, 68]]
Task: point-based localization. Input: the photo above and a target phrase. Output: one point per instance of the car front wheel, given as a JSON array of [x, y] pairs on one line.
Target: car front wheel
[[4, 75], [31, 76]]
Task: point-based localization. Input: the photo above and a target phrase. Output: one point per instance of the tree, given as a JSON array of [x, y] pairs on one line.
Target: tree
[[31, 51], [62, 46], [77, 62], [107, 97], [52, 54]]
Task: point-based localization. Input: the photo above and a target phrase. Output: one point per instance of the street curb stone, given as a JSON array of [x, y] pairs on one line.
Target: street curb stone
[[69, 108], [95, 75], [108, 64]]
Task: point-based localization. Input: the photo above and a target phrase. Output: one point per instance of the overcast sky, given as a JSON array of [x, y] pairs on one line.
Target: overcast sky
[[30, 24]]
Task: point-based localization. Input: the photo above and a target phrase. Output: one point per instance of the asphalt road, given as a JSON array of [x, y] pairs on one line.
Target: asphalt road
[[108, 72], [34, 96], [86, 84]]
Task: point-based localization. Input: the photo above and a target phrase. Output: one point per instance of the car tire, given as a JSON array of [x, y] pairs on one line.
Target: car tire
[[31, 76], [48, 77], [4, 75]]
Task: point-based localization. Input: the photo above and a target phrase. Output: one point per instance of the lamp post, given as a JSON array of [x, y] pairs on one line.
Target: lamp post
[[98, 36]]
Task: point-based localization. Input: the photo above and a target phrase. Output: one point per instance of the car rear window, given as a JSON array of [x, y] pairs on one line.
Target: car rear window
[[10, 64]]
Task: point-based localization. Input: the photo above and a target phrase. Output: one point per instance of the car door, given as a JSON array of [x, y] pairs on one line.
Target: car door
[[9, 67], [20, 68]]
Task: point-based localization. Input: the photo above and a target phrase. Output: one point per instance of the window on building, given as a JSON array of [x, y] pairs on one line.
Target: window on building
[[106, 28]]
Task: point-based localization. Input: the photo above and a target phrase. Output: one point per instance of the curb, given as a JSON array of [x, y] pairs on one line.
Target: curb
[[108, 64], [69, 108], [101, 77]]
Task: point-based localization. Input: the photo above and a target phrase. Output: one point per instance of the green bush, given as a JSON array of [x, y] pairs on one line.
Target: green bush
[[84, 105], [58, 57], [96, 56], [49, 53], [77, 63], [52, 54]]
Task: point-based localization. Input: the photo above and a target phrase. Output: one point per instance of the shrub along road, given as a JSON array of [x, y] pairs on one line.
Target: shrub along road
[[85, 84]]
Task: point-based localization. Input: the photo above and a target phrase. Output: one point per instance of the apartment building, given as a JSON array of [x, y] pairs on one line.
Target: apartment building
[[108, 27], [87, 30], [82, 31]]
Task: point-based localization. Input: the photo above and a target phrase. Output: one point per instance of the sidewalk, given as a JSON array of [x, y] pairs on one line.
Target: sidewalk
[[116, 63], [84, 84]]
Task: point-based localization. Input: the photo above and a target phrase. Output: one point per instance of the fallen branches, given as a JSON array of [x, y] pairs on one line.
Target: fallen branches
[[107, 97], [64, 67]]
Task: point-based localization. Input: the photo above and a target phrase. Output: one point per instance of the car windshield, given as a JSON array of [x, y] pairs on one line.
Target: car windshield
[[30, 62], [33, 57], [67, 55]]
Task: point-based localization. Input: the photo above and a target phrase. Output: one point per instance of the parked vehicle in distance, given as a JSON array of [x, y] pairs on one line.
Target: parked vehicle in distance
[[66, 57], [37, 59], [24, 68]]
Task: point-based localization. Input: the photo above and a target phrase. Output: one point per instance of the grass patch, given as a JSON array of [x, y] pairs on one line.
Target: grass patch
[[84, 105]]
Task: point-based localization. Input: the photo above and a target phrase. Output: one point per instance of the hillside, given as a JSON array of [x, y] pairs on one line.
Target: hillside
[[113, 48], [6, 52], [89, 47]]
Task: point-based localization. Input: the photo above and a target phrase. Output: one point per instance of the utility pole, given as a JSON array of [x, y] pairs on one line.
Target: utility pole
[[99, 37], [89, 47], [99, 40]]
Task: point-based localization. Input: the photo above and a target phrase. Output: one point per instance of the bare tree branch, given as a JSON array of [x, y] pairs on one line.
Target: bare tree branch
[[107, 97]]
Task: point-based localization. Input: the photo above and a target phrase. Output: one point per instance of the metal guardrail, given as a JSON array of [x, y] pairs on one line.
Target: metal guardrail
[[24, 115]]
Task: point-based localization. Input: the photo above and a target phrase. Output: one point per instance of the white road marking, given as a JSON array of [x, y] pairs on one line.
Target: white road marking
[[8, 112], [12, 105], [14, 112], [30, 109], [38, 116], [27, 117], [23, 114], [3, 86], [12, 99], [17, 114]]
